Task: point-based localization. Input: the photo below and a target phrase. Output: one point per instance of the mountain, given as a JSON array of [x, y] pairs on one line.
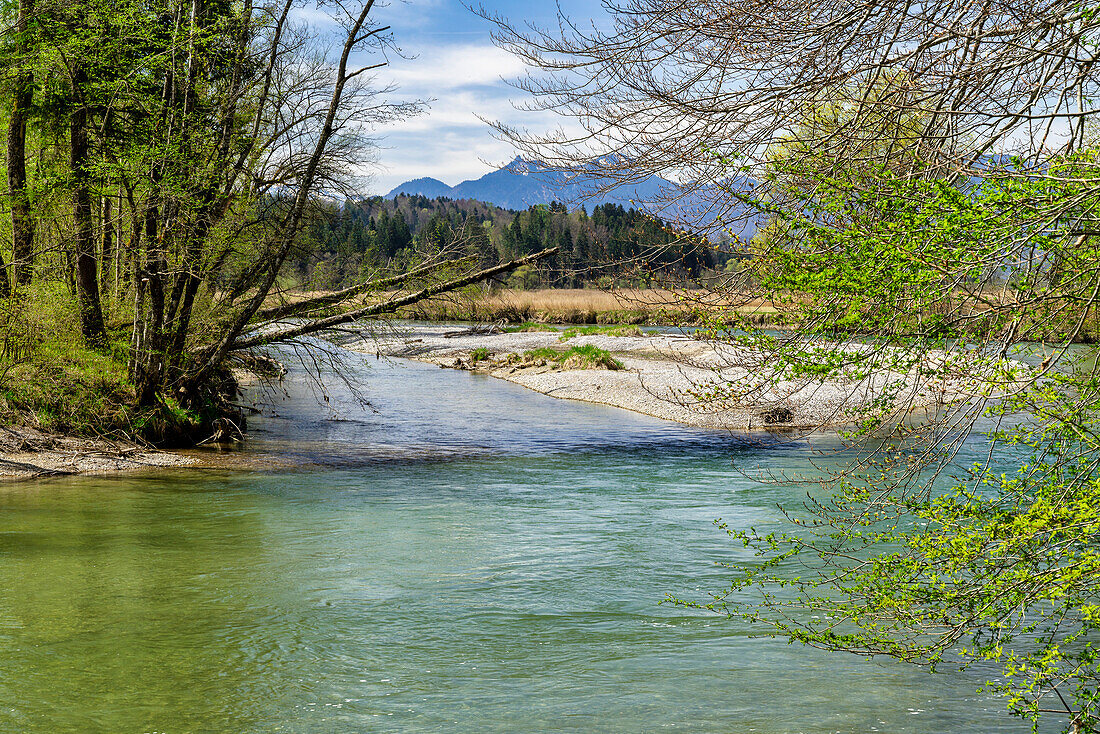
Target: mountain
[[523, 183]]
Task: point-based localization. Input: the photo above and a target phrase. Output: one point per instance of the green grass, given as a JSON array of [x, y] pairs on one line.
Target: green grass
[[586, 357], [627, 330], [67, 388], [50, 380], [547, 353], [479, 354], [529, 326]]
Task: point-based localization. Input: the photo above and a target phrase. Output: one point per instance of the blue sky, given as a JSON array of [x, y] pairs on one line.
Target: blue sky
[[458, 68]]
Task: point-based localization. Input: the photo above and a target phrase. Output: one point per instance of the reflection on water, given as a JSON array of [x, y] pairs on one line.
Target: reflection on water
[[472, 556]]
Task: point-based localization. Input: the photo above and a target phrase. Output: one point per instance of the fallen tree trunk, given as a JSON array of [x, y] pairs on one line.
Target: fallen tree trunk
[[311, 327], [331, 299]]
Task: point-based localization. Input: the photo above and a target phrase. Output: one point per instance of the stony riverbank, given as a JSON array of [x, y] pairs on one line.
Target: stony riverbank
[[27, 453], [691, 381]]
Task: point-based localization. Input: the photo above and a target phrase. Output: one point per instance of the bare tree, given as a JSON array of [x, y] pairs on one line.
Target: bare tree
[[22, 221], [686, 88], [931, 194]]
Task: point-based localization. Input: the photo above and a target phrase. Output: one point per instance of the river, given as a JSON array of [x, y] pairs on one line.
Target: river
[[465, 555]]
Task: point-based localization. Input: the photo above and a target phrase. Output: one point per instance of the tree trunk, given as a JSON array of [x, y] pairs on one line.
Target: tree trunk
[[128, 265], [107, 251], [292, 221], [5, 287], [187, 287], [147, 345], [22, 223], [149, 356], [117, 251], [87, 269], [390, 306], [135, 269]]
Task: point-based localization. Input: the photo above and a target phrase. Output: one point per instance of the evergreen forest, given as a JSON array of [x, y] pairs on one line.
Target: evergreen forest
[[611, 246]]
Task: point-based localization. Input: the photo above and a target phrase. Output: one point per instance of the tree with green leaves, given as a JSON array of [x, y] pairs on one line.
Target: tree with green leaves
[[995, 562]]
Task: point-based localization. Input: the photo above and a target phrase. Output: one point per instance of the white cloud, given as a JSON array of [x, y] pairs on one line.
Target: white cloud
[[461, 108], [456, 66], [464, 81], [453, 159], [449, 141]]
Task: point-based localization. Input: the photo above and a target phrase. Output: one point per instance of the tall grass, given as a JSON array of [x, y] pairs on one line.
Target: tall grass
[[628, 330], [575, 306]]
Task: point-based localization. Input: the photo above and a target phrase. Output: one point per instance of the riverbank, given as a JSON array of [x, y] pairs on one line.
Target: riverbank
[[26, 453], [673, 377], [667, 376]]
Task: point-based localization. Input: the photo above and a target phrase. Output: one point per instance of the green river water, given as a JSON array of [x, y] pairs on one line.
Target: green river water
[[469, 556]]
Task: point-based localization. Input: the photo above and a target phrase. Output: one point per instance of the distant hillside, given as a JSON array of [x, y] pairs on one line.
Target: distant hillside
[[432, 188]]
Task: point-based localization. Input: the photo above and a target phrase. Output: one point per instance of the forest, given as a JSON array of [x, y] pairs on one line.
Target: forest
[[610, 246]]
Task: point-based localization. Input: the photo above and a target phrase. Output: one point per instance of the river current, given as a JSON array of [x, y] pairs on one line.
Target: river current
[[463, 555]]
